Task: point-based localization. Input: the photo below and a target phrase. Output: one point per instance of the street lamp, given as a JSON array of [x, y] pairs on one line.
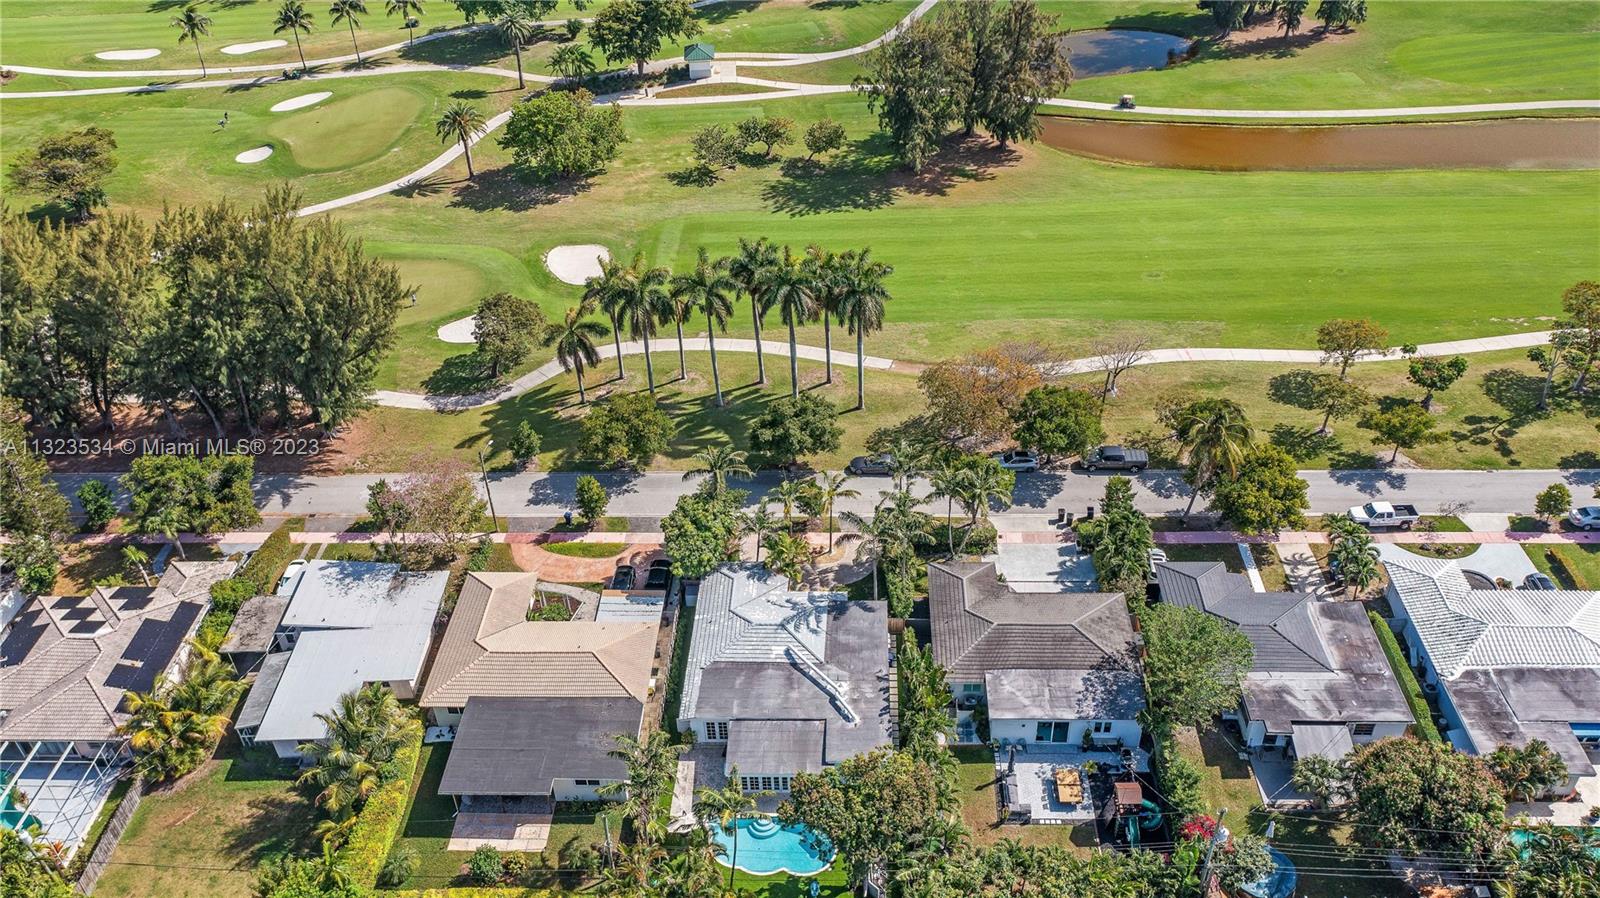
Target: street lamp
[[483, 469]]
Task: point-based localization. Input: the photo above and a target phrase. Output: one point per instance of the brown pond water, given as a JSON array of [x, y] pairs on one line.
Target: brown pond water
[[1519, 143]]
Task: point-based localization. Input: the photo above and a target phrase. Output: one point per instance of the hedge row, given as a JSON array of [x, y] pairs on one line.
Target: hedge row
[[486, 892], [378, 823], [266, 566], [1408, 679]]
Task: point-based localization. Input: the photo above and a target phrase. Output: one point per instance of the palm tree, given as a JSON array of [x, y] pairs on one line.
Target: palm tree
[[949, 481], [641, 299], [346, 11], [1214, 435], [293, 18], [759, 522], [828, 273], [191, 24], [907, 459], [748, 269], [719, 463], [601, 292], [985, 483], [652, 762], [788, 493], [788, 287], [706, 289], [726, 806], [788, 555], [365, 730], [175, 727], [1356, 559], [891, 533], [408, 10], [137, 559], [632, 870], [461, 122], [515, 27], [169, 523], [833, 489], [692, 872], [859, 303], [573, 338], [332, 875], [572, 61]]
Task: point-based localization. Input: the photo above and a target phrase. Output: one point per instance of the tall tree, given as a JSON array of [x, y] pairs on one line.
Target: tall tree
[[408, 11], [748, 268], [563, 134], [1194, 667], [1058, 422], [197, 494], [1527, 771], [603, 292], [1337, 398], [365, 730], [293, 18], [651, 762], [915, 84], [1290, 14], [346, 11], [828, 273], [192, 24], [1399, 423], [705, 289], [108, 294], [872, 807], [634, 30], [719, 464], [1435, 375], [641, 303], [1581, 303], [726, 806], [69, 168], [461, 122], [1343, 340], [505, 328], [32, 510], [1214, 435], [860, 305], [788, 287], [1413, 796], [701, 532], [515, 29], [1015, 62], [832, 489], [1265, 495]]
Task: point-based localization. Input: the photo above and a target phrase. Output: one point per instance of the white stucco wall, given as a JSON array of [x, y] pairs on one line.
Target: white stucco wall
[[1127, 732], [569, 790]]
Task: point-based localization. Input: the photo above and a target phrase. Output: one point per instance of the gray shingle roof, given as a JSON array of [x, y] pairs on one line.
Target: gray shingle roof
[[519, 746], [980, 624], [254, 625], [1110, 693], [266, 683]]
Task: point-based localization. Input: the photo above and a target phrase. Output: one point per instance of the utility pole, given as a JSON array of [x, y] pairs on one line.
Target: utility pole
[[1205, 868]]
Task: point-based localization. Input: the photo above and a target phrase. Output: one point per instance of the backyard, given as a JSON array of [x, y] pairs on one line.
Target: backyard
[[975, 778]]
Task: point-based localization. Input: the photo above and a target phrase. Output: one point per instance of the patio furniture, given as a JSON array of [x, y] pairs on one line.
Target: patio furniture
[[1069, 785]]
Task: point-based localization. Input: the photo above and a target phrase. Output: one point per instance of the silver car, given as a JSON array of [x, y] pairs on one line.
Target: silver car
[[1585, 518]]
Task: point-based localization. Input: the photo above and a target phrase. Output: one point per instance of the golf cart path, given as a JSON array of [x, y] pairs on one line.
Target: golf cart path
[[552, 369]]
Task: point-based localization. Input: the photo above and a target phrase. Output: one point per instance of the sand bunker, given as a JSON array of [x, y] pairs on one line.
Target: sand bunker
[[241, 49], [127, 54], [255, 155], [302, 101], [458, 331], [576, 263]]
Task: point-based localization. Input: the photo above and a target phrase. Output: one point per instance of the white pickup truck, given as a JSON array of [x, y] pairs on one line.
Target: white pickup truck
[[1376, 515]]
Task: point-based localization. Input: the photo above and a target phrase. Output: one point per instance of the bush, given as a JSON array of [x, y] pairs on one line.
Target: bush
[[485, 866], [266, 566], [629, 428], [1565, 571], [1180, 781], [479, 559], [1408, 680], [901, 593], [378, 823], [592, 499], [574, 28], [98, 506], [791, 427], [524, 444], [517, 866], [401, 864], [229, 594]]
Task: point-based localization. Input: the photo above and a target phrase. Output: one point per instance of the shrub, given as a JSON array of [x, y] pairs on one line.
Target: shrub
[[378, 823], [1180, 781], [517, 866], [574, 28], [524, 444], [485, 866], [900, 592], [592, 499], [1565, 571], [1408, 680], [266, 566], [401, 864], [479, 559], [229, 594], [98, 506]]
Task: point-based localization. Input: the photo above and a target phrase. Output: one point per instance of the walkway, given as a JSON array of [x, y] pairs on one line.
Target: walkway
[[1301, 571], [552, 369]]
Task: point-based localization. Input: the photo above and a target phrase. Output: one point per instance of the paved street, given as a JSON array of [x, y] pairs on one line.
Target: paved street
[[653, 494]]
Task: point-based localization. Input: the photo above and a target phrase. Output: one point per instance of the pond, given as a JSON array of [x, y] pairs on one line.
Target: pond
[[761, 846], [1511, 143], [1112, 51]]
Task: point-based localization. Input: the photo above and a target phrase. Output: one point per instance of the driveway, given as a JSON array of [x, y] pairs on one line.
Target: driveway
[[1497, 561], [1050, 567]]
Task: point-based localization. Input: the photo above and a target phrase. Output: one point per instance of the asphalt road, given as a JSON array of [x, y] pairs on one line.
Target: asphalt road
[[653, 494]]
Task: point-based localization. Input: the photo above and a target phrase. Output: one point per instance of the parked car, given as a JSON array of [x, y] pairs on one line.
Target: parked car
[[1537, 580], [291, 577], [1585, 518], [659, 575], [1018, 460], [1116, 458], [1376, 515], [1158, 555], [870, 465], [623, 578]]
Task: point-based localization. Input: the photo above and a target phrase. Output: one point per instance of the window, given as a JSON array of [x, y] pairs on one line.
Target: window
[[749, 784], [455, 711], [1042, 734], [1363, 729], [587, 782], [1102, 728], [1053, 731], [717, 731], [971, 688]]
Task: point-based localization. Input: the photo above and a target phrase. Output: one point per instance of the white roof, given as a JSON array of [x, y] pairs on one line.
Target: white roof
[[359, 622], [1486, 629]]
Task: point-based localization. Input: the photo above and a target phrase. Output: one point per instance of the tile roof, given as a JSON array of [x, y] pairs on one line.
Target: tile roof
[[1468, 629], [520, 746], [491, 649], [980, 624], [67, 661], [775, 746]]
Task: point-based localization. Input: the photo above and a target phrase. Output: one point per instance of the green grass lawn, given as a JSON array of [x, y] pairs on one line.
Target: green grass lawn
[[585, 550], [1579, 566], [204, 838], [1267, 563], [975, 779]]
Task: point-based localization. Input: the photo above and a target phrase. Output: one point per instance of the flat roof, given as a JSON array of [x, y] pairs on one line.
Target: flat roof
[[266, 683], [520, 746], [254, 625]]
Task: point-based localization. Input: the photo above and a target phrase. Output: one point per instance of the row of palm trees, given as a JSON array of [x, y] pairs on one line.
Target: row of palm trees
[[175, 727], [293, 17], [845, 288]]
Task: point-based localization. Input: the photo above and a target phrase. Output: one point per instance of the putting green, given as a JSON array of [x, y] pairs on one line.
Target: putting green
[[352, 130]]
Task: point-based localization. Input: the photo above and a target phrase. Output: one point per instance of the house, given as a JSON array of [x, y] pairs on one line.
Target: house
[[535, 706], [66, 664], [1320, 682], [348, 623], [1052, 667], [786, 681], [699, 56], [254, 629], [1510, 665]]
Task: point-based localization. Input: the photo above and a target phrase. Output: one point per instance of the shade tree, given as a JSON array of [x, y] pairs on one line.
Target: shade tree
[[1413, 796], [1266, 494], [1058, 421], [505, 329], [1399, 423], [789, 428], [823, 136], [629, 428], [634, 30], [563, 134], [1343, 340], [1435, 375], [69, 168], [1194, 666]]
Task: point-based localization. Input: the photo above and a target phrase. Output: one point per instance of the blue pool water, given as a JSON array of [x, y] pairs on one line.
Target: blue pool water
[[1279, 883], [766, 847], [1521, 837]]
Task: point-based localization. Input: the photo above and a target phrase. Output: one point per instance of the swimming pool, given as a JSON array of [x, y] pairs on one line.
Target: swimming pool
[[764, 847]]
